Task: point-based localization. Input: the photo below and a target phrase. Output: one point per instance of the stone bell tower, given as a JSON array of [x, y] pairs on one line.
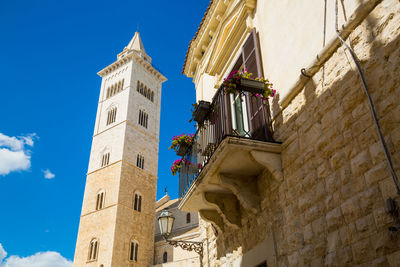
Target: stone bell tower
[[117, 220]]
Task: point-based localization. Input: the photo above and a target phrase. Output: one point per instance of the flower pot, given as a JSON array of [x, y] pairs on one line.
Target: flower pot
[[183, 148], [252, 86], [201, 111]]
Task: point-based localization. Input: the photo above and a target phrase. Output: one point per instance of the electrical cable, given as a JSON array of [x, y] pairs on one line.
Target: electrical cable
[[371, 104]]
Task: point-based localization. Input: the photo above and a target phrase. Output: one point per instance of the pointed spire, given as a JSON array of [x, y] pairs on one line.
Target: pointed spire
[[136, 43]]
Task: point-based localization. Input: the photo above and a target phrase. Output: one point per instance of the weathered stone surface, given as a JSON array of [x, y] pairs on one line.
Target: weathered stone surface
[[377, 173], [334, 219], [330, 208], [394, 259], [363, 251], [360, 163]]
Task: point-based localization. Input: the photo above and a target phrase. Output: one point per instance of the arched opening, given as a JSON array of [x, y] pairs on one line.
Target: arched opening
[[165, 257], [93, 250], [100, 200], [133, 250]]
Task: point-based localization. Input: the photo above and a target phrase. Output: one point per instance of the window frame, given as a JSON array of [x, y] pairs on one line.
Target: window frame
[[93, 251], [133, 250]]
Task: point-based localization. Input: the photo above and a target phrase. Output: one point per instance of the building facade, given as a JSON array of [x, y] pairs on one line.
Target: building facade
[[120, 192], [185, 228], [301, 179]]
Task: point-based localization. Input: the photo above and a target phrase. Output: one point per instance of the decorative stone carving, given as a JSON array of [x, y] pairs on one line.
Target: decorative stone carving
[[227, 206], [244, 188], [271, 161], [213, 216]]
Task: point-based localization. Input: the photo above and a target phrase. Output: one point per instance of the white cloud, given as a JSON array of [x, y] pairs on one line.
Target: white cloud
[[3, 253], [13, 161], [48, 174], [40, 259], [13, 154]]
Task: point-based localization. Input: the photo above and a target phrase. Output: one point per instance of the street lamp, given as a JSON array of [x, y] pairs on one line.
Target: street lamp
[[166, 222]]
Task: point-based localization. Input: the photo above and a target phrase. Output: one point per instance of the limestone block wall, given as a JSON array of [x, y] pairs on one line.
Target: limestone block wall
[[112, 141], [330, 209], [122, 73], [131, 224], [137, 140], [92, 225]]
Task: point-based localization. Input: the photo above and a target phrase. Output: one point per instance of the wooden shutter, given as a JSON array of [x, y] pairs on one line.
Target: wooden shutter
[[255, 106]]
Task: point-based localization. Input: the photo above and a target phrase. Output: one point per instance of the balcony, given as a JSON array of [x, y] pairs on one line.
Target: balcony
[[232, 157]]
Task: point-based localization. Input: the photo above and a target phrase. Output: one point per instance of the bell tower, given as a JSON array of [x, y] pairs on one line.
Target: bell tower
[[117, 219]]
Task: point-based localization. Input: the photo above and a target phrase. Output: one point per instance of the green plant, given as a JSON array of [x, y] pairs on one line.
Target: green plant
[[231, 83], [180, 140]]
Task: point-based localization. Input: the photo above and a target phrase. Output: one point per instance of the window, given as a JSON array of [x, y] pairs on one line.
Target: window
[[115, 88], [146, 92], [93, 249], [140, 161], [133, 251], [165, 257], [188, 217], [100, 200], [137, 205], [247, 115], [112, 114], [143, 118], [105, 159]]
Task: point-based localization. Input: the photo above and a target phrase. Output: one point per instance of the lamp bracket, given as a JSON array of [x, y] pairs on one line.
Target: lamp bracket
[[188, 245]]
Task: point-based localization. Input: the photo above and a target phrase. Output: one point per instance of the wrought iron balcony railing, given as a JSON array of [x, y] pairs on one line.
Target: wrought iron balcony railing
[[243, 115]]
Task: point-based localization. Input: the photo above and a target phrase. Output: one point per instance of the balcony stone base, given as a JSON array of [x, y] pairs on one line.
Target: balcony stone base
[[234, 181]]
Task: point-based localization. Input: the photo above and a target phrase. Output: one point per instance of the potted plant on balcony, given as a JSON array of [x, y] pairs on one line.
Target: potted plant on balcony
[[200, 111], [181, 143], [239, 81], [177, 165]]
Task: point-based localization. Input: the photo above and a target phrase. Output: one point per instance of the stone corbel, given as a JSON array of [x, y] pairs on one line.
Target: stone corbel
[[213, 216], [270, 161], [244, 188], [227, 206]]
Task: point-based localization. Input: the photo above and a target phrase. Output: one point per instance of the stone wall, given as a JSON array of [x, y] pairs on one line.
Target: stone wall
[[330, 209]]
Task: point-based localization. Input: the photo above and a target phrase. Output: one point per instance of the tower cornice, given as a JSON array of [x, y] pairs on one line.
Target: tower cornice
[[133, 56]]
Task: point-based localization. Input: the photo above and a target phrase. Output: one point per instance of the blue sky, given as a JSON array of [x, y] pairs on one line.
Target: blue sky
[[50, 52]]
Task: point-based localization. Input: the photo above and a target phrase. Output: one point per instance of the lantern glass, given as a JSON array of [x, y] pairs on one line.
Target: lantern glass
[[166, 222]]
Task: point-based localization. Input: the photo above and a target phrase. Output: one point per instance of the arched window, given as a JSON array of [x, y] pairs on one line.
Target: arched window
[[108, 92], [143, 118], [165, 257], [100, 200], [188, 217], [140, 161], [141, 88], [133, 250], [137, 204], [112, 90], [138, 86], [93, 250], [112, 114], [105, 159], [152, 97]]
